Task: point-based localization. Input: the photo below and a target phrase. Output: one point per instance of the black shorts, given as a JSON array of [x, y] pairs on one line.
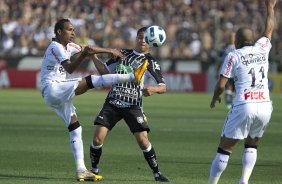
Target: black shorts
[[134, 118]]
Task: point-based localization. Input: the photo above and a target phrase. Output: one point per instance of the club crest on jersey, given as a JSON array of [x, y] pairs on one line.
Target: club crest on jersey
[[156, 66], [140, 119]]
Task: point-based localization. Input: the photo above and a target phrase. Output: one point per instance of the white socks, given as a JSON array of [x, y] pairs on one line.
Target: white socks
[[220, 161], [77, 148], [111, 79], [218, 166], [248, 162], [228, 92]]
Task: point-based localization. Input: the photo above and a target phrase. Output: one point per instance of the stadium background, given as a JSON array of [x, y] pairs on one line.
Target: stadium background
[[197, 31]]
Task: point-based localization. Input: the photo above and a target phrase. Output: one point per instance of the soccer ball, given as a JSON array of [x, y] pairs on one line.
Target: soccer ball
[[155, 36]]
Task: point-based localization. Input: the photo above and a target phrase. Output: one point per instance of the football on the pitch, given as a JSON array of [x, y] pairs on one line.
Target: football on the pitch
[[155, 36]]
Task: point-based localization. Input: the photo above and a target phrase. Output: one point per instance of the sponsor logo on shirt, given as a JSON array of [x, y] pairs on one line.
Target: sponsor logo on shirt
[[126, 92], [250, 59], [254, 95], [118, 103], [50, 67]]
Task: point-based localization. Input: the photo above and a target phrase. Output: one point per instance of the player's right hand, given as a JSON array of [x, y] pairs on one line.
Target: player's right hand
[[117, 54], [88, 50], [270, 2], [213, 102]]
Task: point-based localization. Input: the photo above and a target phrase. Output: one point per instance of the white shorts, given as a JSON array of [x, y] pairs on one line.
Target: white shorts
[[248, 119], [58, 96]]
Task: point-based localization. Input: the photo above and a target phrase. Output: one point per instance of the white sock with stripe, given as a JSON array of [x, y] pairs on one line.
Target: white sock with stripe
[[248, 163]]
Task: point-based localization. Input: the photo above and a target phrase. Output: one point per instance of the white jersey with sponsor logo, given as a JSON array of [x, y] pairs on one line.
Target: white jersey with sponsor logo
[[54, 56], [249, 68]]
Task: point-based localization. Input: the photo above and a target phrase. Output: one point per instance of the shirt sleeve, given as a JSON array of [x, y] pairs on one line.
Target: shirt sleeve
[[154, 72], [73, 48], [264, 43], [228, 65]]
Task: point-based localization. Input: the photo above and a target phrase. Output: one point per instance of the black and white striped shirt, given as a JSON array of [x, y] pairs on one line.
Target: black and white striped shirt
[[124, 95]]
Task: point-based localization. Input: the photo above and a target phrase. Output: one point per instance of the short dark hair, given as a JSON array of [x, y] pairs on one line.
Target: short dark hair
[[60, 25], [142, 29], [244, 37]]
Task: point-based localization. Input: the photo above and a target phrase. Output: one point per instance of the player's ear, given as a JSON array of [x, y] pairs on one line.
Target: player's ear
[[59, 31]]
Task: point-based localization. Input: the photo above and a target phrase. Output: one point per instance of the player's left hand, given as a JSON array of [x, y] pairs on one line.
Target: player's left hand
[[212, 105], [87, 50], [147, 91]]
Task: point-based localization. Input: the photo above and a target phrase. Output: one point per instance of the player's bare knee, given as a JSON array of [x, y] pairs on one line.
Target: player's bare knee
[[97, 141], [143, 143], [252, 142]]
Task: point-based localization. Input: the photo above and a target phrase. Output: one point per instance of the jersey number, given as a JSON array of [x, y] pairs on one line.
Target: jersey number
[[253, 74]]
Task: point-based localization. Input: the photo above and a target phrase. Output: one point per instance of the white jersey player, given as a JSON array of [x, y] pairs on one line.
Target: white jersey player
[[252, 107], [51, 65], [58, 91], [249, 67]]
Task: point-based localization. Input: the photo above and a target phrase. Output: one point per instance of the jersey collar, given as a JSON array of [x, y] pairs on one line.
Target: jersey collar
[[138, 53]]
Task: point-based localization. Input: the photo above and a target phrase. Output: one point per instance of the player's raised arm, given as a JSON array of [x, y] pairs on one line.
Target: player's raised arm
[[113, 52], [269, 24]]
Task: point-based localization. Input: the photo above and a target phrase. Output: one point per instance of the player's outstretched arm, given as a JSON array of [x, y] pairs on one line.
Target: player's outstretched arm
[[71, 66], [269, 24], [101, 68], [99, 50], [150, 90]]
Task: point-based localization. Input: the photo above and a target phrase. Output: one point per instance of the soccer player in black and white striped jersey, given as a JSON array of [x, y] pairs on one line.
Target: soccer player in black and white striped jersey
[[124, 101]]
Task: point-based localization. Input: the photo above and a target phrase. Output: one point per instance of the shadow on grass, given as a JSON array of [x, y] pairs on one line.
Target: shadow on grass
[[262, 164], [70, 180], [11, 176]]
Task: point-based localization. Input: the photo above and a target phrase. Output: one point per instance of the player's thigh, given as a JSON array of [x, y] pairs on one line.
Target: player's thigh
[[135, 119], [65, 111], [261, 120], [59, 92], [237, 123], [108, 116]]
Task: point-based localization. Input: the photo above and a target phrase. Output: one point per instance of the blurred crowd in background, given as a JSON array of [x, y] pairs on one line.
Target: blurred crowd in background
[[196, 29]]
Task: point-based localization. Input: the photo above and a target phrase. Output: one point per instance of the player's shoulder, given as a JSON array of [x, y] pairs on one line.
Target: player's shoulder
[[153, 63], [263, 42], [55, 46], [233, 56], [126, 51], [150, 57], [74, 46]]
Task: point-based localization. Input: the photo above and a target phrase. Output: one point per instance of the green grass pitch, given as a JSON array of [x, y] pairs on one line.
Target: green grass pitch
[[34, 143]]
